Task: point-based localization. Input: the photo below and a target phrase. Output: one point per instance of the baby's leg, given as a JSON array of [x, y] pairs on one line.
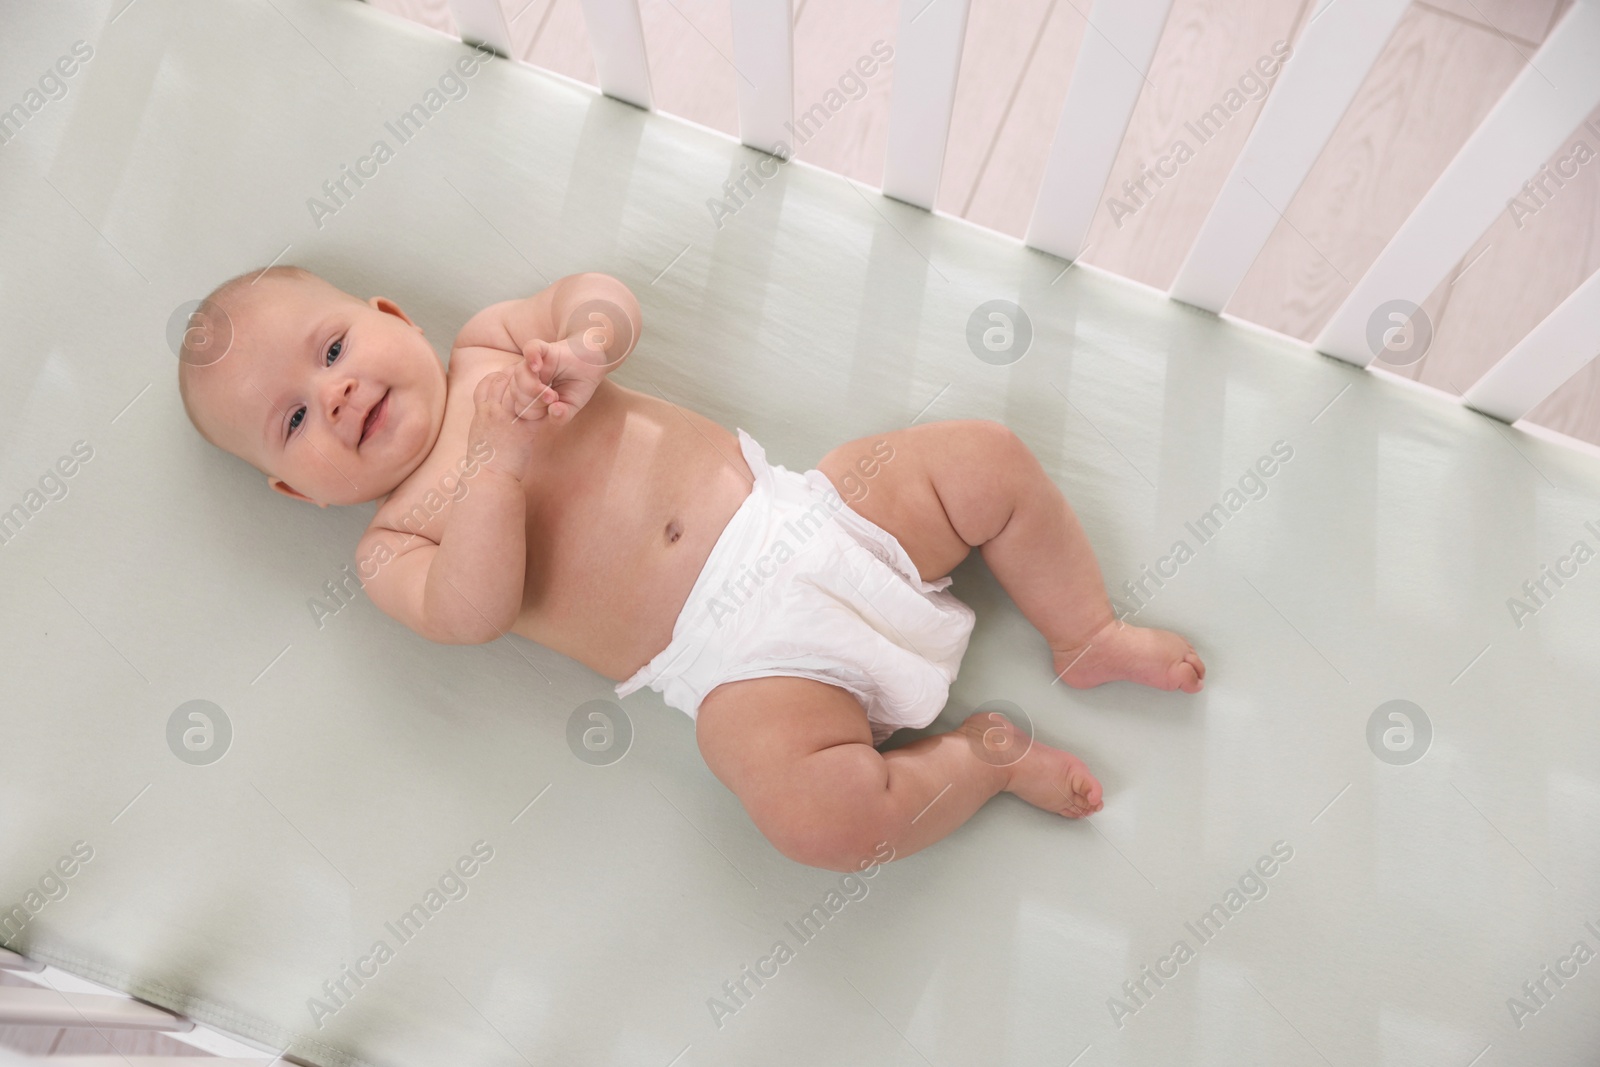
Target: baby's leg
[[954, 485], [798, 754]]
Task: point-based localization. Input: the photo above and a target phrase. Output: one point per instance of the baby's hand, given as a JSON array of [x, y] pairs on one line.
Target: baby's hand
[[572, 369], [508, 406]]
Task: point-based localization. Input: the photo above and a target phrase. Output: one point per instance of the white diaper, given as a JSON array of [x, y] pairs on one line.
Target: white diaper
[[800, 584]]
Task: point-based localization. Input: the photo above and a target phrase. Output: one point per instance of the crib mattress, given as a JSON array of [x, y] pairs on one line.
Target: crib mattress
[[1372, 839]]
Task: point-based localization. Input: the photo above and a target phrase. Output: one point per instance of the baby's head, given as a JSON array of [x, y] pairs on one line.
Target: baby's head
[[282, 369]]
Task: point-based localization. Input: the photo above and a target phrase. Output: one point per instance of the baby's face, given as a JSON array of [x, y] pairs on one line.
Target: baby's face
[[338, 400]]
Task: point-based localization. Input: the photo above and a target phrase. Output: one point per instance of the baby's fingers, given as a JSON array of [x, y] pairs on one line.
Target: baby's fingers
[[536, 404], [491, 387], [534, 355], [527, 390]]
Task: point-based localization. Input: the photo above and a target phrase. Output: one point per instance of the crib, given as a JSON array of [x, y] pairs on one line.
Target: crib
[[1372, 838]]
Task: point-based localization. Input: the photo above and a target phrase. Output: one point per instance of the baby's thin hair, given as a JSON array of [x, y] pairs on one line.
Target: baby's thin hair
[[213, 309]]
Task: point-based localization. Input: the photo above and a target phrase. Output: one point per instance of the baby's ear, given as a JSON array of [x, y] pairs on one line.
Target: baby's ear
[[389, 307], [288, 490]]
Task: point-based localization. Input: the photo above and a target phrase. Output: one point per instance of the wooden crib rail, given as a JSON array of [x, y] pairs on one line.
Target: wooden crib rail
[[616, 34], [927, 60], [1553, 351], [763, 54], [1332, 58], [47, 1007], [1546, 101], [10, 961], [151, 1061], [1338, 48], [40, 1006], [1106, 83], [484, 22]]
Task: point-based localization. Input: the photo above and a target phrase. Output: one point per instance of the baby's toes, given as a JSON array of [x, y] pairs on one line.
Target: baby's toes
[[1084, 796], [1071, 803], [1090, 793], [1184, 676], [1079, 808], [1075, 808]]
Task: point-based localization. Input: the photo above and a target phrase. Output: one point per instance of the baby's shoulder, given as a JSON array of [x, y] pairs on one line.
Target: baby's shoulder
[[484, 345], [490, 329]]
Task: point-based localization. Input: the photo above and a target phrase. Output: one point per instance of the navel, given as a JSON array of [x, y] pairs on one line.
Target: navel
[[674, 531]]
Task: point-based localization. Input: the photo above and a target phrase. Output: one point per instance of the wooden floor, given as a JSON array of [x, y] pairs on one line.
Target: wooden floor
[[1446, 64]]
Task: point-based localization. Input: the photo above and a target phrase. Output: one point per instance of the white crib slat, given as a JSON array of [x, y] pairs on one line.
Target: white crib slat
[[1106, 82], [927, 59], [46, 1007], [763, 55], [616, 36], [1317, 83], [218, 1046], [482, 21], [1542, 107], [156, 1061], [1553, 351]]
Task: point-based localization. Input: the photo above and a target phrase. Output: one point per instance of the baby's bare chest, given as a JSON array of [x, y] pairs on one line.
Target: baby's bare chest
[[621, 507]]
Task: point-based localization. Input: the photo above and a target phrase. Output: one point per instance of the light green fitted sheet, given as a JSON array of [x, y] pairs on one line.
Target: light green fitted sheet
[[365, 762]]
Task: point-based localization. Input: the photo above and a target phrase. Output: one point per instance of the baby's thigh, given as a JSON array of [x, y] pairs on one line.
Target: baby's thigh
[[938, 487], [758, 736]]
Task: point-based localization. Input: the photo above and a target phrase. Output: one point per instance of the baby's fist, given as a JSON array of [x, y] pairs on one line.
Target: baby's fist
[[506, 419], [570, 371]]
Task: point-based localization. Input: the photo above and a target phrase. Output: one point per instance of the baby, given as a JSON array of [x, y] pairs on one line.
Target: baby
[[798, 629]]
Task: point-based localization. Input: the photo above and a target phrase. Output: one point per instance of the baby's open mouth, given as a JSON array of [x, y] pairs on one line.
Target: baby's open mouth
[[374, 415]]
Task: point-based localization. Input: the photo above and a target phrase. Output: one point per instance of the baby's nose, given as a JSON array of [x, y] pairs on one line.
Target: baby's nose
[[340, 402]]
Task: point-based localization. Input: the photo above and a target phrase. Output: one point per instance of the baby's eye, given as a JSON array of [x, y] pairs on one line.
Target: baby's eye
[[300, 413]]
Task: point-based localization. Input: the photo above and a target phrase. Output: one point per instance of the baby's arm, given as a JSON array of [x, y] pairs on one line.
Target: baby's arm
[[467, 588], [573, 333]]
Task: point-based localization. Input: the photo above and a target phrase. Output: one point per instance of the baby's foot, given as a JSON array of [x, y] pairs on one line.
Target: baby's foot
[[1157, 658], [1045, 777]]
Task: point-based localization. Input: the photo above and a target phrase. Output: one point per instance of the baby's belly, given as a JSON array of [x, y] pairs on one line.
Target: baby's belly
[[610, 568]]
